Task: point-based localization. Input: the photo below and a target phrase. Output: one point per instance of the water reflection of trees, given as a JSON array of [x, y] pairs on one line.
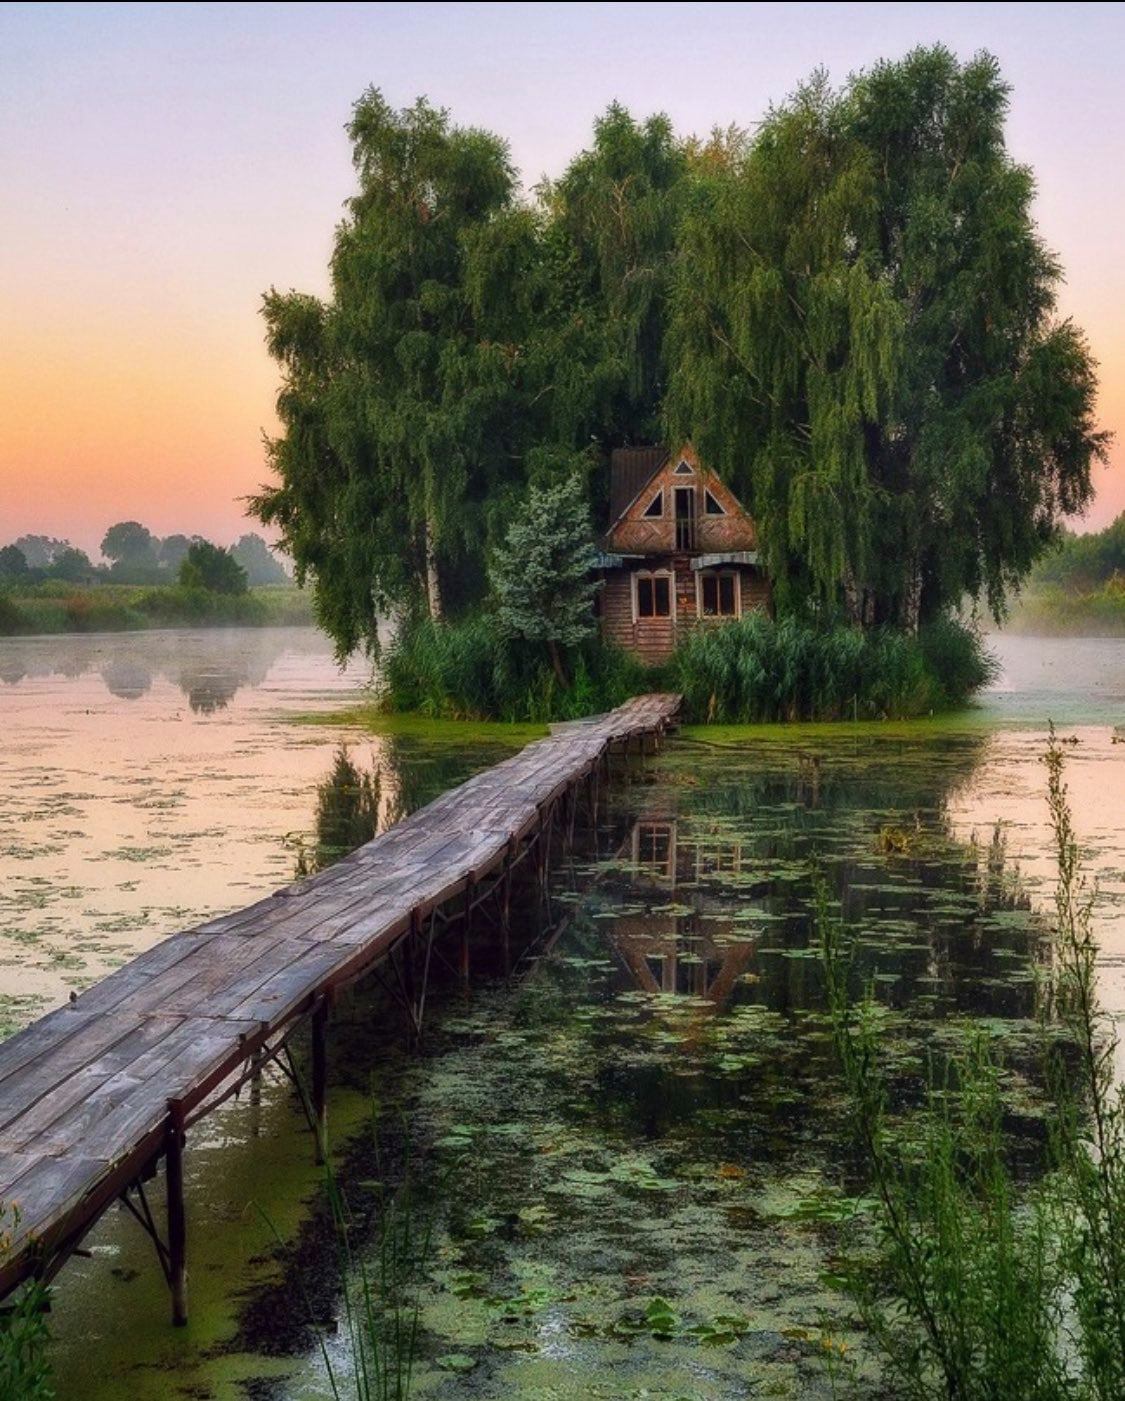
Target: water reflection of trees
[[348, 806], [126, 679], [715, 895], [209, 689], [208, 669], [355, 802]]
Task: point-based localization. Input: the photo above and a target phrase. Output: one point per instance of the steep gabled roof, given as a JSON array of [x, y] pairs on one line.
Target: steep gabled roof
[[630, 471]]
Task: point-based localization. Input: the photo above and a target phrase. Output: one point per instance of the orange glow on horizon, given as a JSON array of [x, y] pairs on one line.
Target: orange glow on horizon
[[149, 202]]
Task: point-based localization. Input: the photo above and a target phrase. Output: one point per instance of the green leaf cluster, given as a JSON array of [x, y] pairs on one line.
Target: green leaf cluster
[[862, 340]]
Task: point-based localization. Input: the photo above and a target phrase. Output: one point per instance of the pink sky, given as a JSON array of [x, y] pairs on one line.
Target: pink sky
[[163, 165]]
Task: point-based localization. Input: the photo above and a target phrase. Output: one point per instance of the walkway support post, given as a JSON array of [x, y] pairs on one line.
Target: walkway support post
[[464, 961], [320, 1078], [177, 1216]]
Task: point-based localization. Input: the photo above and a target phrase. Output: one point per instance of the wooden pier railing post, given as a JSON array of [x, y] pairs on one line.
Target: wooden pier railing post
[[177, 1215], [320, 1078]]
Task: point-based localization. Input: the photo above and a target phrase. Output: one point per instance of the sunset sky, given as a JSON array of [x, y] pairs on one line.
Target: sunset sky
[[161, 166]]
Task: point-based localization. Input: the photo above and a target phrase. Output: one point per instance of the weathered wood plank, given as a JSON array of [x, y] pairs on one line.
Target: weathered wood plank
[[85, 1091]]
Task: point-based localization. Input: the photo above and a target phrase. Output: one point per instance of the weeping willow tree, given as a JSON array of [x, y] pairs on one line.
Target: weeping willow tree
[[863, 341], [611, 229], [471, 344], [402, 393]]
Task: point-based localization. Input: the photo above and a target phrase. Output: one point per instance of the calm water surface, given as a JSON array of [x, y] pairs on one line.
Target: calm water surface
[[632, 1150], [148, 780]]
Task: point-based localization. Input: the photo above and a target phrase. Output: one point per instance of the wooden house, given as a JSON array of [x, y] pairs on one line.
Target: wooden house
[[680, 550]]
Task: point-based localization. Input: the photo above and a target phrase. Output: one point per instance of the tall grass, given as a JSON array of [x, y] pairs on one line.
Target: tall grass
[[467, 670], [746, 671], [57, 607], [755, 669], [380, 1289], [987, 1287]]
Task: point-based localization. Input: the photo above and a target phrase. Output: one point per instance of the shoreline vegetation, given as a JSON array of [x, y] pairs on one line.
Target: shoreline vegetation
[[54, 607], [753, 670], [1078, 588], [1054, 611]]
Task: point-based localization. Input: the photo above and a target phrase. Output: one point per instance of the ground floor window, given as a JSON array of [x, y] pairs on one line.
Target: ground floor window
[[719, 594], [652, 597]]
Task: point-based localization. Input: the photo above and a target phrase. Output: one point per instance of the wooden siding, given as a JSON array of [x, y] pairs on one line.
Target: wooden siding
[[654, 640], [634, 533]]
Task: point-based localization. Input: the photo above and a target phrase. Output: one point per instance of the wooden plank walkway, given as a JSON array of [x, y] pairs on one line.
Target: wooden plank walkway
[[94, 1094]]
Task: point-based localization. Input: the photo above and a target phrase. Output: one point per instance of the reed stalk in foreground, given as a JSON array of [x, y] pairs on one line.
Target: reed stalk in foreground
[[380, 1291], [987, 1288]]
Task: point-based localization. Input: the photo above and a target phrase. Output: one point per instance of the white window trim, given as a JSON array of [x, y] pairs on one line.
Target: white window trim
[[653, 574], [683, 468], [737, 575], [722, 511]]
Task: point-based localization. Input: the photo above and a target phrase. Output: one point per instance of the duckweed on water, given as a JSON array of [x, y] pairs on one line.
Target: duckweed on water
[[652, 1194]]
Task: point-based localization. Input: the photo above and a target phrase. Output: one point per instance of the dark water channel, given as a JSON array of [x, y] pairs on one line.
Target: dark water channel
[[632, 1152]]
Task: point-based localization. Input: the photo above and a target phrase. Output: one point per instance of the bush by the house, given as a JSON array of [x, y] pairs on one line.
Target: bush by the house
[[473, 669], [755, 669]]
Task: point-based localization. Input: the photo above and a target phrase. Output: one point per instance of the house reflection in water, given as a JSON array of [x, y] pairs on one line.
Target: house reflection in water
[[677, 933]]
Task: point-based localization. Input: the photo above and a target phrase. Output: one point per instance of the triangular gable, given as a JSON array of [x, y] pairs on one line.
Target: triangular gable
[[674, 469]]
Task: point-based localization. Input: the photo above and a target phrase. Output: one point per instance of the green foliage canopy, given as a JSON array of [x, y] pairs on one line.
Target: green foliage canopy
[[850, 313], [1085, 561], [261, 564], [210, 567], [863, 343], [39, 550], [13, 563], [173, 551], [400, 399], [72, 565]]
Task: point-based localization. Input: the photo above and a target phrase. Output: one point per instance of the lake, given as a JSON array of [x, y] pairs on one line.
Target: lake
[[630, 1151]]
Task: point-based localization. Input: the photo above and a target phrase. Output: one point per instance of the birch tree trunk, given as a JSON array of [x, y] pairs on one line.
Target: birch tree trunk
[[433, 583]]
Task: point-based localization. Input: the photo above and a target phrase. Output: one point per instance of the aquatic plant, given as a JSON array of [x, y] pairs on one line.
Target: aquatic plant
[[379, 1288], [25, 1373], [986, 1287], [1088, 1201]]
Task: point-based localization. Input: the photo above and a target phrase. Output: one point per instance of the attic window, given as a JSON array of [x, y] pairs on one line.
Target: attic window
[[683, 468], [712, 506], [656, 506]]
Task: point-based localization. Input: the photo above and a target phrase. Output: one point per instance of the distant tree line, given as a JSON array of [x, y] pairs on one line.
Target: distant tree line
[[850, 312], [1085, 562], [134, 555]]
